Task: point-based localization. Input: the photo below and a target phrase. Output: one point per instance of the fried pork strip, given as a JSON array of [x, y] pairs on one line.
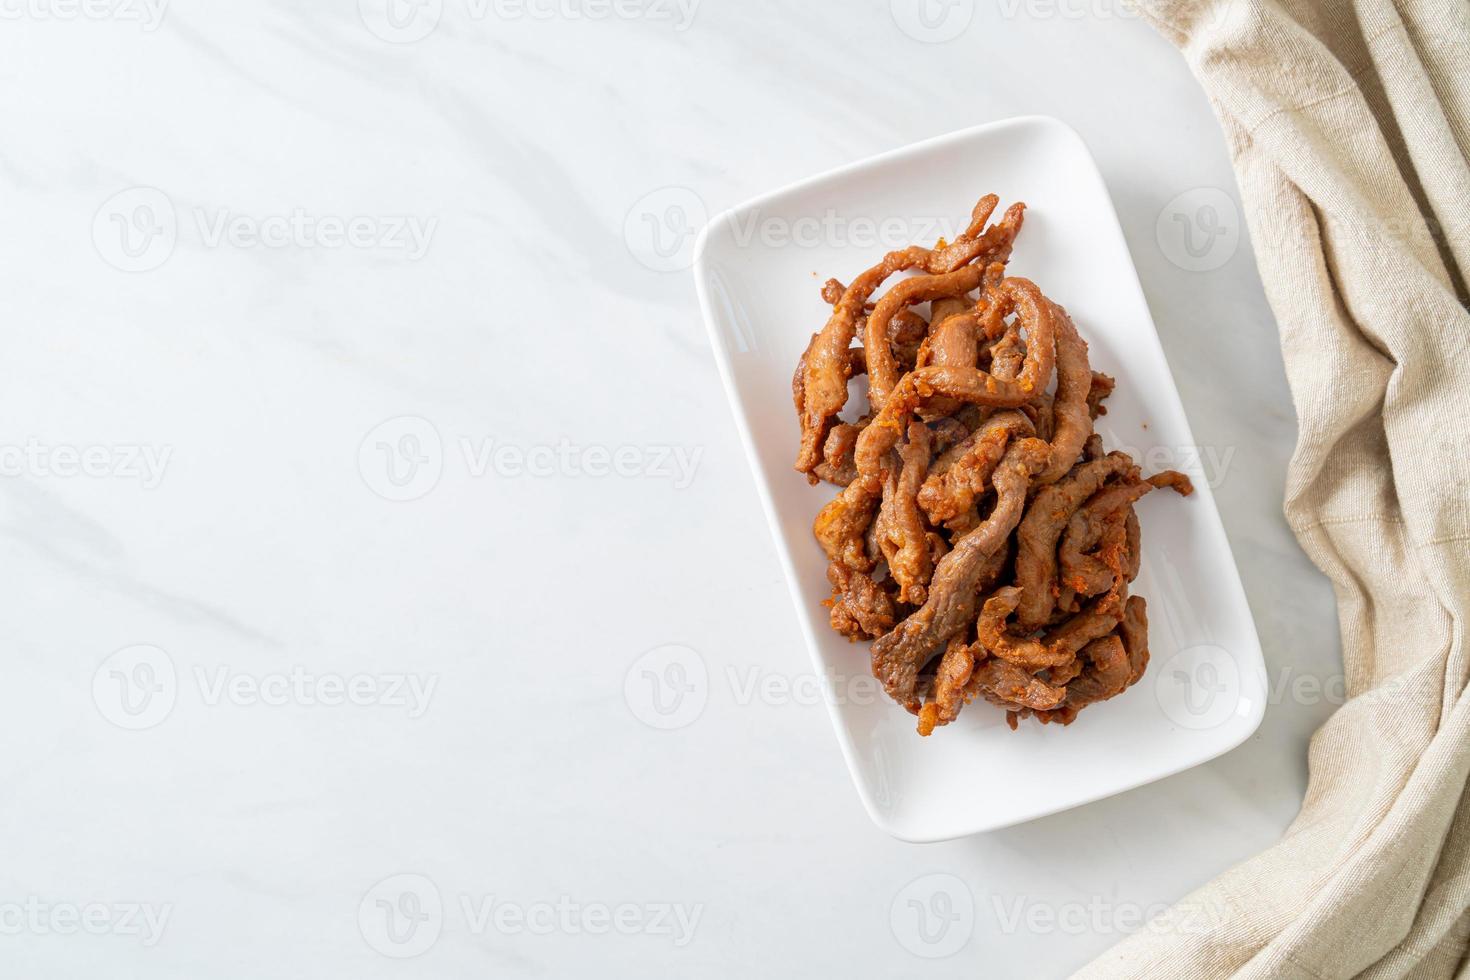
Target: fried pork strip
[[960, 476], [860, 607], [819, 389], [1046, 518], [970, 385], [1071, 416], [898, 656], [902, 535]]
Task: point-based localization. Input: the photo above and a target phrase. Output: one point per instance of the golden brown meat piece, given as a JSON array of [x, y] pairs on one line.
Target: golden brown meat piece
[[907, 332], [960, 476], [1071, 418], [1102, 387], [819, 389], [969, 385], [1105, 512], [995, 247], [902, 537], [1052, 508], [952, 689], [1091, 574], [860, 607], [841, 527], [1097, 619], [1134, 632], [837, 465], [898, 656], [1009, 686], [1027, 653]]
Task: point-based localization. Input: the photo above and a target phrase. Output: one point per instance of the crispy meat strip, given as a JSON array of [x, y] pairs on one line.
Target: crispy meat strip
[[1083, 574], [1008, 354], [1071, 417], [1031, 654], [1105, 676], [952, 340], [883, 370], [1009, 686], [1102, 387], [1096, 620], [1134, 537], [1134, 632], [837, 465], [959, 477], [1107, 511], [1052, 508], [948, 432], [819, 389], [1039, 411], [907, 332], [1113, 664], [841, 527], [969, 385], [860, 607], [995, 245], [950, 683], [1062, 676], [902, 535], [898, 656]]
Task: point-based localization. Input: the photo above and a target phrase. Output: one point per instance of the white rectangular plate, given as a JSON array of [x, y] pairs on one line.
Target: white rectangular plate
[[758, 270]]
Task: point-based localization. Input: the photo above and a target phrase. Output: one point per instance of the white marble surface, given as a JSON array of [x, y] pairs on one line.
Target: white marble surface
[[333, 231]]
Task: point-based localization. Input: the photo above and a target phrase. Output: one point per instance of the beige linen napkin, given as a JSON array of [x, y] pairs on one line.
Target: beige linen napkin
[[1349, 124]]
